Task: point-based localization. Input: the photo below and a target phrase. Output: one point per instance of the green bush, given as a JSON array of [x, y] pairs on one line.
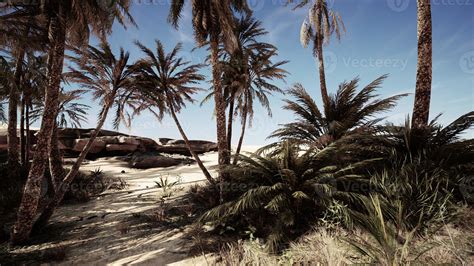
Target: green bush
[[280, 196]]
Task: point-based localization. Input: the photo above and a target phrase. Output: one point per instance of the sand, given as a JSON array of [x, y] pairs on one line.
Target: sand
[[106, 230]]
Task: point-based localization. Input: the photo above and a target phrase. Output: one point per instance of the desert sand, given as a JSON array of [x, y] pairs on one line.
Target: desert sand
[[106, 230]]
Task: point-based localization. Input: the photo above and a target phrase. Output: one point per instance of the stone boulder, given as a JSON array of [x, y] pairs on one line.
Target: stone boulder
[[170, 146], [121, 148], [97, 146], [147, 162]]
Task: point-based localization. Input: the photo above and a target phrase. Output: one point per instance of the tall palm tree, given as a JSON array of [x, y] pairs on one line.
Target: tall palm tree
[[248, 74], [421, 109], [168, 82], [346, 113], [212, 19], [33, 84], [71, 21], [321, 23], [70, 114], [106, 75]]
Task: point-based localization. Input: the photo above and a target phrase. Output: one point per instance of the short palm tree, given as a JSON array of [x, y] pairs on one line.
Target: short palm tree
[[322, 22], [285, 192], [167, 82], [105, 75], [347, 112], [211, 20], [68, 21]]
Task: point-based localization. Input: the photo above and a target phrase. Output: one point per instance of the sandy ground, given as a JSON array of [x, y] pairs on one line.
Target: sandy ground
[[106, 230]]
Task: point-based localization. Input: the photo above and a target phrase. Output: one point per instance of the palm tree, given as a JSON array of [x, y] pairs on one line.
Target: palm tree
[[285, 192], [347, 112], [70, 114], [33, 83], [248, 74], [71, 21], [106, 76], [318, 27], [168, 82], [421, 109], [212, 19]]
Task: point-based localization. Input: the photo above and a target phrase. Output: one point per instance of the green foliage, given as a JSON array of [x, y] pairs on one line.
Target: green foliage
[[348, 112], [283, 194], [167, 185], [388, 244]]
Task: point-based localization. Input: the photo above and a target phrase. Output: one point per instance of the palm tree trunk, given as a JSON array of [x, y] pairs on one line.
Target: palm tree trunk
[[231, 121], [320, 54], [22, 130], [55, 160], [13, 154], [63, 187], [27, 129], [223, 151], [421, 109], [32, 191], [224, 156], [241, 139], [188, 144]]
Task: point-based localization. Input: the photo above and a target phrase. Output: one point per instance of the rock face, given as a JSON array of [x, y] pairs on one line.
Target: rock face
[[110, 143], [179, 147], [147, 162]]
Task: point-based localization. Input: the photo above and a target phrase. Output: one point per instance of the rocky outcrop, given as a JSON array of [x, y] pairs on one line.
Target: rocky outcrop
[[110, 143], [171, 146]]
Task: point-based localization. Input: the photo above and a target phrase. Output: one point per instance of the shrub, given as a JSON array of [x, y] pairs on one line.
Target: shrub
[[88, 185], [280, 196]]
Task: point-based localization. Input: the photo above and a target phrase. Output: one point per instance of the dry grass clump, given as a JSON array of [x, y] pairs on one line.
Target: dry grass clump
[[89, 185], [453, 244]]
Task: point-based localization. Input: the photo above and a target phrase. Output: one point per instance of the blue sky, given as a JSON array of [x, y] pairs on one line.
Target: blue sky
[[380, 39]]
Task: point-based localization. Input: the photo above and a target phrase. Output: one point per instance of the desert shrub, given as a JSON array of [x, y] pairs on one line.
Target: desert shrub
[[279, 197], [88, 185]]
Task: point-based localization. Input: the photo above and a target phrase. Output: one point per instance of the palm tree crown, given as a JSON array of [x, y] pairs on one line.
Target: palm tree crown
[[347, 112]]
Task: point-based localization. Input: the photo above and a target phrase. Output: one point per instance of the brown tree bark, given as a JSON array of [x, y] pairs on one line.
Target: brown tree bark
[[12, 135], [22, 130], [55, 160], [230, 121], [27, 130], [320, 55], [224, 156], [63, 187], [188, 144], [241, 139], [421, 109], [32, 191]]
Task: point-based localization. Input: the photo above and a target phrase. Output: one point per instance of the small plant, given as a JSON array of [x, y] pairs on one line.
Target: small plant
[[387, 244], [167, 186]]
